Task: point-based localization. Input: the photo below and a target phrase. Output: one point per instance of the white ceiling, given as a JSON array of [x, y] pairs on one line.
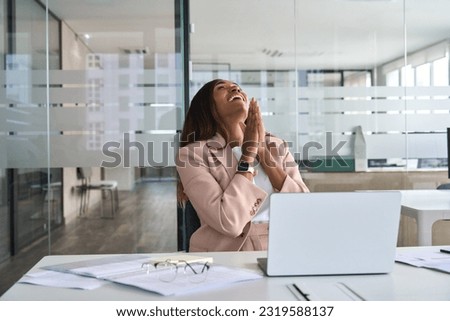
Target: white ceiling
[[316, 34]]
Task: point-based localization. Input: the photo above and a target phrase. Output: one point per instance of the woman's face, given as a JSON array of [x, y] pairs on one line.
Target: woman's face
[[231, 102]]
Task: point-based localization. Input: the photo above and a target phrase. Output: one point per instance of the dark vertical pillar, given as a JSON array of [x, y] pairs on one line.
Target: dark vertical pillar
[[11, 174], [182, 47]]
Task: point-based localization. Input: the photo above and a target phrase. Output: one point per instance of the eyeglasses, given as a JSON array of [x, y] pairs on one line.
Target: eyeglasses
[[167, 271]]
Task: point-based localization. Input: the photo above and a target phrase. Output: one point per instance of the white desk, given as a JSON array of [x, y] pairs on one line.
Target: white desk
[[404, 283], [426, 207]]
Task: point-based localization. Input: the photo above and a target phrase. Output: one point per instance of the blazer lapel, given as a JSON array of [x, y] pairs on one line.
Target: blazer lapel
[[222, 154]]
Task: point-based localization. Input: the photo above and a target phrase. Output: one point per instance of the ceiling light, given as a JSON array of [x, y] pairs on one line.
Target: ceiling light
[[272, 53], [135, 50]]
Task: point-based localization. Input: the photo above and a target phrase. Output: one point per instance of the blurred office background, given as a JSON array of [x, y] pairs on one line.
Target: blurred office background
[[359, 89]]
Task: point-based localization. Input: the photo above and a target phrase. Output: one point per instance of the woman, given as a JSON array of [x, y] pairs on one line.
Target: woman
[[228, 166]]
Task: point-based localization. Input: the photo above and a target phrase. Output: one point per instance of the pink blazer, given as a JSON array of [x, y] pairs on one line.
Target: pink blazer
[[225, 202]]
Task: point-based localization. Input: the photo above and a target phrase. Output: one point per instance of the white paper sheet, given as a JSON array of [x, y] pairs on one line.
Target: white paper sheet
[[61, 280], [218, 276], [428, 258], [127, 269]]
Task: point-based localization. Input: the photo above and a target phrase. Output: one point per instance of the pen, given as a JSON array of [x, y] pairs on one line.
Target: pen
[[447, 251], [304, 295]]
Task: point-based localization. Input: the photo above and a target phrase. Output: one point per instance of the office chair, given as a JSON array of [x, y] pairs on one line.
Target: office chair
[[444, 186], [188, 222], [87, 185]]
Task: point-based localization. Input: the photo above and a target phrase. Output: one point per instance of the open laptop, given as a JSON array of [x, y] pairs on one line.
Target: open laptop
[[332, 233]]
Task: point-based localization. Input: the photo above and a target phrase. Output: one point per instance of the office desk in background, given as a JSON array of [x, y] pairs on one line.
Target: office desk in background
[[404, 283], [426, 207]]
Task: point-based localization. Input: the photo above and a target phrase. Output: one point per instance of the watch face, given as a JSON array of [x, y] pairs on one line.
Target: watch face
[[243, 166]]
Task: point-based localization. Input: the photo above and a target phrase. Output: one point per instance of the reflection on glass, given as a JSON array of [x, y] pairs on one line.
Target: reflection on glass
[[38, 204], [440, 72], [110, 75], [345, 46]]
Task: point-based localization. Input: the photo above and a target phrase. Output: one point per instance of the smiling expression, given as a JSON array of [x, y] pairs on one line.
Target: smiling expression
[[230, 100]]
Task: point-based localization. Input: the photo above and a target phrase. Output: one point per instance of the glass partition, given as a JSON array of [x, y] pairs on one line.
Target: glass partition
[[339, 81], [4, 213], [427, 88], [35, 185], [88, 87], [347, 122]]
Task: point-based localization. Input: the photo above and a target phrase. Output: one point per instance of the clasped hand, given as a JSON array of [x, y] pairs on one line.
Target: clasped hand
[[254, 133]]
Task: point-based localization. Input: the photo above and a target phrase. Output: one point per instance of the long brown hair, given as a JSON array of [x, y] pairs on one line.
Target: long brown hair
[[202, 122]]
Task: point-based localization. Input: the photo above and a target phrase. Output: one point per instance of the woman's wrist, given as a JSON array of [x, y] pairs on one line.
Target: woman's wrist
[[249, 151], [247, 159], [248, 175]]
